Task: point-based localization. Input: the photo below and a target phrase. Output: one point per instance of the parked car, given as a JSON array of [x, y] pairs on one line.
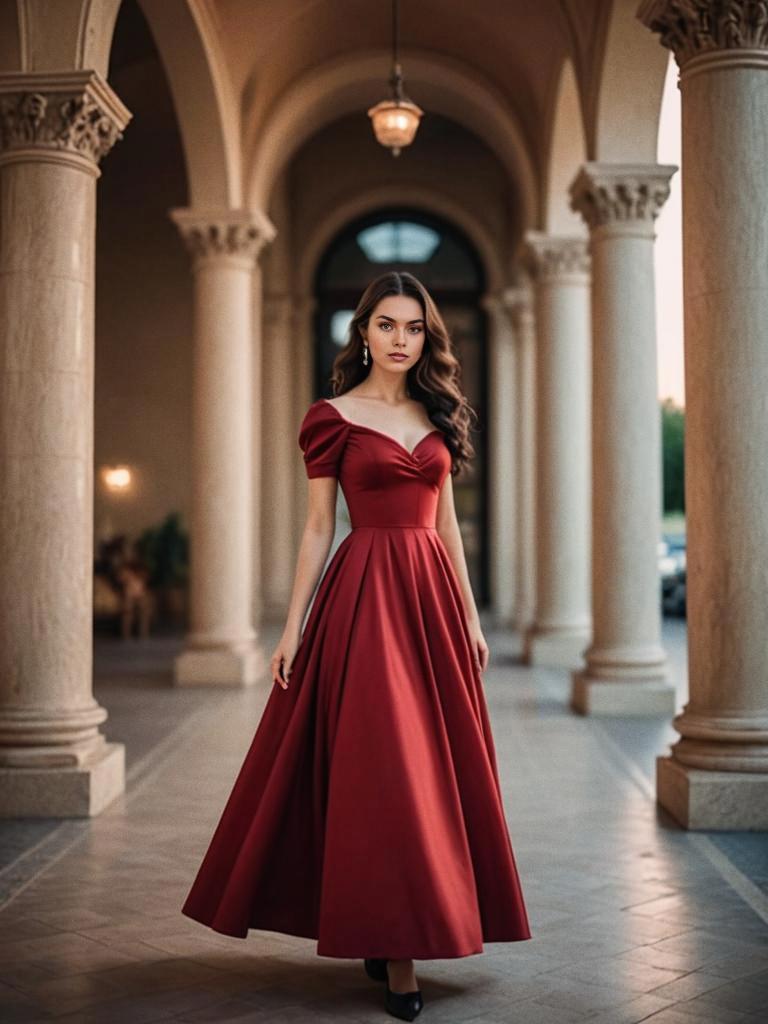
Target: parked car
[[673, 598], [672, 573]]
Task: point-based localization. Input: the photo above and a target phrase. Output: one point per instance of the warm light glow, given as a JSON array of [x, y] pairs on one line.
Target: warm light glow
[[395, 123], [117, 478]]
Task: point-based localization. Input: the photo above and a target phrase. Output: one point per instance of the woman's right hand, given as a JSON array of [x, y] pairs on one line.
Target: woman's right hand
[[283, 656]]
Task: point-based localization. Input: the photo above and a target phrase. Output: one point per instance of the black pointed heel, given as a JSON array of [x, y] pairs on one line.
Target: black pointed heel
[[404, 1005], [376, 968]]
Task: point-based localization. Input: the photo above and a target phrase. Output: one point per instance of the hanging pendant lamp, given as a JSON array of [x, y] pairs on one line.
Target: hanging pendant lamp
[[395, 120]]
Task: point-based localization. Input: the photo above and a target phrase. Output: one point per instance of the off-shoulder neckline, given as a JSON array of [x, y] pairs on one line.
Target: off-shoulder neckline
[[362, 426]]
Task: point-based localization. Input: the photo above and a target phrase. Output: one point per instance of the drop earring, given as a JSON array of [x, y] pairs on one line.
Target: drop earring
[[365, 353]]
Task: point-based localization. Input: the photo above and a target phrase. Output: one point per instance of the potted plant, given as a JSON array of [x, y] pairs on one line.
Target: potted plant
[[165, 551]]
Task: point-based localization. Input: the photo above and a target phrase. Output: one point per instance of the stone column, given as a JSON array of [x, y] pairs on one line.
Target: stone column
[[562, 626], [304, 346], [304, 351], [54, 129], [503, 468], [281, 447], [260, 468], [717, 774], [221, 646], [519, 302], [626, 669]]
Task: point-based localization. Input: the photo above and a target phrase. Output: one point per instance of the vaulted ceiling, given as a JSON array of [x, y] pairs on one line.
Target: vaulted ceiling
[[516, 47]]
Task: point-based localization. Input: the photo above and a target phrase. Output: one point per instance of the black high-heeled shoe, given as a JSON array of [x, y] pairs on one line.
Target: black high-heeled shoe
[[404, 1005], [376, 968]]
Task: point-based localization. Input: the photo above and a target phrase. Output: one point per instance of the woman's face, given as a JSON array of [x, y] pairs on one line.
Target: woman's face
[[397, 326]]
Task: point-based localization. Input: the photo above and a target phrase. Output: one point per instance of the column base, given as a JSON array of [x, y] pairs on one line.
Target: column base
[[79, 791], [717, 801], [639, 697], [220, 666], [522, 623], [555, 649], [503, 621]]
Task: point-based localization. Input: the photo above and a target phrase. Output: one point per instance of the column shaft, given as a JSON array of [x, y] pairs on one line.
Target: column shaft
[[221, 645], [520, 303], [717, 774], [626, 671], [280, 443], [503, 459], [562, 625], [304, 353], [54, 128]]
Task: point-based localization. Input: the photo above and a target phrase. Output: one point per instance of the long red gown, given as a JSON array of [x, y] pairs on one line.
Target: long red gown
[[367, 813]]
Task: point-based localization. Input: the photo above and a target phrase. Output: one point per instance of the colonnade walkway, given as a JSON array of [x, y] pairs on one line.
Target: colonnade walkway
[[633, 918]]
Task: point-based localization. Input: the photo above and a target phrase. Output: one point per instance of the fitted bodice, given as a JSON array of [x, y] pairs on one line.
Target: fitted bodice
[[384, 484]]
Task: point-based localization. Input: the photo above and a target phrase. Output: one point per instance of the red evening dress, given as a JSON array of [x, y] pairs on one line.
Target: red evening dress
[[367, 813]]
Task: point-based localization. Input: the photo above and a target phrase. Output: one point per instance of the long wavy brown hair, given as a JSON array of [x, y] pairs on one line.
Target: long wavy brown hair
[[434, 380]]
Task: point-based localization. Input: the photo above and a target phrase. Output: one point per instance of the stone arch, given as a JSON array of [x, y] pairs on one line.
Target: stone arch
[[567, 153], [623, 117], [207, 109], [418, 197], [77, 35], [10, 38], [324, 94]]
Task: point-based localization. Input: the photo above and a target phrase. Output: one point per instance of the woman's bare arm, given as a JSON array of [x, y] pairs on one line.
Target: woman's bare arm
[[450, 534], [315, 544], [448, 529]]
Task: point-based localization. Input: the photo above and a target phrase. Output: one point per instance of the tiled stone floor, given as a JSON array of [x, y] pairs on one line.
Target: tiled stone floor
[[633, 918]]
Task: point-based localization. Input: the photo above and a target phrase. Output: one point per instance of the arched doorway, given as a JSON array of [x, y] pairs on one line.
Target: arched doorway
[[143, 362], [448, 265]]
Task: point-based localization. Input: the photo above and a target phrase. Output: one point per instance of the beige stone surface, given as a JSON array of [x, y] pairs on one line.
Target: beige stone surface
[[226, 666], [519, 301], [222, 641], [622, 695], [562, 622], [78, 791], [718, 775], [619, 203], [52, 753], [280, 453], [709, 800], [504, 445]]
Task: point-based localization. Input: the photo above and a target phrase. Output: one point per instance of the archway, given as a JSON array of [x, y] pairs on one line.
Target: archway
[[567, 153], [143, 371], [443, 258], [325, 94]]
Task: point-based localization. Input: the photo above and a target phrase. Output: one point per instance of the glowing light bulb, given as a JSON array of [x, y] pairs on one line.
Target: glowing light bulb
[[117, 478]]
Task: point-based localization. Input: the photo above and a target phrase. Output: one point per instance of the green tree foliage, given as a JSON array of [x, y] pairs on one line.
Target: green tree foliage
[[672, 435], [164, 549]]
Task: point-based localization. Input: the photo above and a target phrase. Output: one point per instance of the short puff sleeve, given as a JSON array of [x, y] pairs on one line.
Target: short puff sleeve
[[322, 436]]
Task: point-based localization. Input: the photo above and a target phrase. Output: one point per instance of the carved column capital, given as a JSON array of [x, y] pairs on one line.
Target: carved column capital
[[692, 27], [224, 234], [491, 303], [518, 301], [498, 309], [621, 194], [69, 116], [551, 257]]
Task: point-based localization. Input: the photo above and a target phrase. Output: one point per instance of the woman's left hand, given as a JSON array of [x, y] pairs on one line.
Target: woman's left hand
[[479, 646]]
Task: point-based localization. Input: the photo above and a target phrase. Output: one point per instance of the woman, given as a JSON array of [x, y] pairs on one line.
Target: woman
[[367, 813]]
